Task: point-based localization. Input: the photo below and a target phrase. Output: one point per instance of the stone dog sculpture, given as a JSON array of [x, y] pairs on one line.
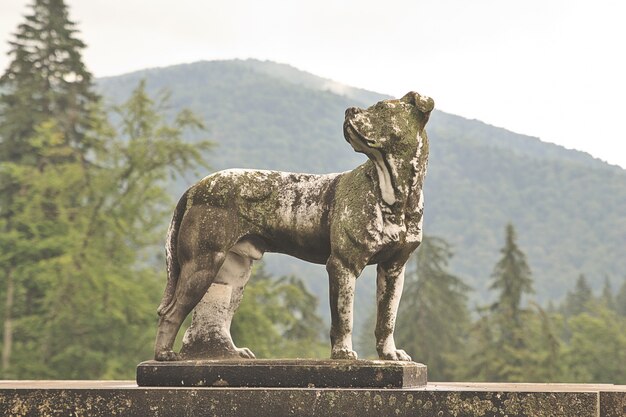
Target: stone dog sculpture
[[371, 215]]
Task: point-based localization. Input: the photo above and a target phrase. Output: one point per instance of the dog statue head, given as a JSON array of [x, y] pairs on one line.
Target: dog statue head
[[391, 133]]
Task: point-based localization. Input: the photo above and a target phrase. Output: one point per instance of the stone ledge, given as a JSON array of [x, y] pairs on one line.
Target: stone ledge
[[125, 398], [286, 373]]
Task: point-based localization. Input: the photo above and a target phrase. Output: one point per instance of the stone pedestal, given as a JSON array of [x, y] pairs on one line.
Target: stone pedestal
[[288, 373], [125, 398]]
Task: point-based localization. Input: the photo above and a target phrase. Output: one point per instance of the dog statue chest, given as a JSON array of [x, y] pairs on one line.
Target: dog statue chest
[[391, 227]]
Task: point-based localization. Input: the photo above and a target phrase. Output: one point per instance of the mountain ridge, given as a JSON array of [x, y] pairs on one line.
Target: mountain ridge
[[566, 205], [293, 75]]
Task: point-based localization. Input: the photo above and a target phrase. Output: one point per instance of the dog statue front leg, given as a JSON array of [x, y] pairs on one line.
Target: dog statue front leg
[[389, 283], [342, 281]]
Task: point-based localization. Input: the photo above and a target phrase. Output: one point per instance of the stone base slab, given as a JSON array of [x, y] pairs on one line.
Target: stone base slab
[[286, 373], [125, 398]]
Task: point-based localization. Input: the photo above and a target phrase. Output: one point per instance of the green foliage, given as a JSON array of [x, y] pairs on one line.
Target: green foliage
[[620, 300], [606, 297], [500, 350], [46, 79], [596, 352], [584, 344], [79, 296], [277, 318], [48, 115], [82, 202], [433, 311], [509, 342], [578, 300], [511, 277]]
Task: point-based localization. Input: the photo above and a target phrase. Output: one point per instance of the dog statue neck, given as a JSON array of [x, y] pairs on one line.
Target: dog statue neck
[[385, 177], [398, 177]]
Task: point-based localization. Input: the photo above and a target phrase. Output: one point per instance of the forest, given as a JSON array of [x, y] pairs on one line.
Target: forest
[[89, 173]]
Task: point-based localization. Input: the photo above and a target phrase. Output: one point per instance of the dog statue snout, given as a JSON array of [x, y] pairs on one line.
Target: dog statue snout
[[351, 111]]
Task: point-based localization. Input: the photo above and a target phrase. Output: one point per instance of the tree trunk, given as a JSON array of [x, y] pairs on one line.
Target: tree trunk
[[8, 324]]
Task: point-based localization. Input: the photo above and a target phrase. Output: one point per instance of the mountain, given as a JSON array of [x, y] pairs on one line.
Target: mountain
[[568, 208]]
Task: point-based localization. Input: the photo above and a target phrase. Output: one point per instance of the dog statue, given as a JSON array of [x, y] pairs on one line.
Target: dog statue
[[371, 215]]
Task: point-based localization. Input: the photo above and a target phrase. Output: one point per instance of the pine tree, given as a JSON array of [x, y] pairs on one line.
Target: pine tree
[[512, 277], [578, 300], [45, 80], [620, 300], [433, 317], [45, 95], [594, 335], [596, 352], [79, 205], [606, 297], [483, 359], [506, 330], [545, 343]]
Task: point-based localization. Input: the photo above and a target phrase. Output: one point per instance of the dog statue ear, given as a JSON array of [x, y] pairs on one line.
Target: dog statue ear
[[423, 103]]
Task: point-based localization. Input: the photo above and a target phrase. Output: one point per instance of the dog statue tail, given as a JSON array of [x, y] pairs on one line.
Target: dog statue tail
[[171, 257]]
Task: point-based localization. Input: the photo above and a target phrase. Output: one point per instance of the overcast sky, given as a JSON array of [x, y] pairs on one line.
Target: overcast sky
[[548, 68]]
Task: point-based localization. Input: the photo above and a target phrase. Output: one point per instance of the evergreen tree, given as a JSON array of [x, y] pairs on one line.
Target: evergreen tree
[[79, 204], [46, 79], [491, 358], [48, 114], [620, 300], [505, 334], [483, 360], [40, 230], [433, 317], [596, 352], [607, 298], [593, 335], [544, 346], [511, 277], [578, 300]]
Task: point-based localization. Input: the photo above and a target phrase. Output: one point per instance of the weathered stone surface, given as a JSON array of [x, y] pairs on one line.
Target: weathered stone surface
[[282, 373], [613, 403], [370, 215], [124, 398]]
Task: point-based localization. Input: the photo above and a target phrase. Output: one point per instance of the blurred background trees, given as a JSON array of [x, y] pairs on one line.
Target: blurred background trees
[[83, 203], [512, 339], [81, 199], [433, 316]]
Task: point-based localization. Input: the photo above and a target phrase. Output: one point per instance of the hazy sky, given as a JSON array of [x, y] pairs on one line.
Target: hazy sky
[[555, 69]]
